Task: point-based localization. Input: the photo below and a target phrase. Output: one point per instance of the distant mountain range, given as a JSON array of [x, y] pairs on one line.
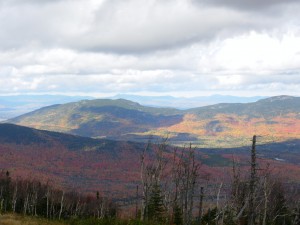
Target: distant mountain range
[[186, 102], [220, 125], [15, 105]]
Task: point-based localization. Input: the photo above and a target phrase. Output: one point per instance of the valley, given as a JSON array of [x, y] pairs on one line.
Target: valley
[[113, 167], [110, 147]]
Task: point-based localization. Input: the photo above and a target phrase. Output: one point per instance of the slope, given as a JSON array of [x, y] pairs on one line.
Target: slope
[[99, 118], [113, 167], [69, 161], [221, 125]]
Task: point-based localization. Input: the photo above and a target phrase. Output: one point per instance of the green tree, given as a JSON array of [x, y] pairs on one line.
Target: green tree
[[156, 209], [177, 214], [7, 197]]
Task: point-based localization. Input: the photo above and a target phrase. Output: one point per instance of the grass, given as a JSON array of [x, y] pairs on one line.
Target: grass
[[15, 219], [12, 219]]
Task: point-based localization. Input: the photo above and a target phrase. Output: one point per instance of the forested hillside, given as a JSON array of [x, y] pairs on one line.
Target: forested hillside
[[222, 125], [154, 182]]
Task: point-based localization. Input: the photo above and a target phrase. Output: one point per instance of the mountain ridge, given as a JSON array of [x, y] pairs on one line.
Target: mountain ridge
[[121, 119], [15, 105], [283, 104]]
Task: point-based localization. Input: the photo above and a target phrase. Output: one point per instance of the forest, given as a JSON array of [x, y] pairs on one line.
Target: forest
[[173, 189]]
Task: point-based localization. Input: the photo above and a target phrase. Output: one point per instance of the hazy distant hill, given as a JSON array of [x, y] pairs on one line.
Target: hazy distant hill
[[15, 105], [221, 125], [186, 102]]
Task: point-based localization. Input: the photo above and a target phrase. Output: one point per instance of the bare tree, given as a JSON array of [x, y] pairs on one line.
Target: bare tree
[[253, 183], [61, 204]]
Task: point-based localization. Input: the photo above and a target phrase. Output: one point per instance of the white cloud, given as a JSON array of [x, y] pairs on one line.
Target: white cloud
[[260, 52], [149, 46]]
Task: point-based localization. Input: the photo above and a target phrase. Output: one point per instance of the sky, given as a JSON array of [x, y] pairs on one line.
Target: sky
[[150, 47]]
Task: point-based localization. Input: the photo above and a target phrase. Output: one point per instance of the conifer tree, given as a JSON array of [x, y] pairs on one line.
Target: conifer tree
[[156, 209], [177, 214]]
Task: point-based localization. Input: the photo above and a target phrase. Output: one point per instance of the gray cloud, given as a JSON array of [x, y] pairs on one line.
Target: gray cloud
[[246, 4], [134, 26], [22, 2], [149, 46], [131, 26]]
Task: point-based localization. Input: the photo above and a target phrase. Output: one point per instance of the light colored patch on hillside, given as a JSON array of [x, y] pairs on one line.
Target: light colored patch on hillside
[[10, 219], [236, 131]]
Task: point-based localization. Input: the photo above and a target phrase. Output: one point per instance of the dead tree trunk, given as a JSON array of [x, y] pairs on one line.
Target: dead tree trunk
[[136, 202], [201, 205], [265, 202], [218, 199], [15, 194], [61, 204], [252, 186], [145, 185], [47, 199]]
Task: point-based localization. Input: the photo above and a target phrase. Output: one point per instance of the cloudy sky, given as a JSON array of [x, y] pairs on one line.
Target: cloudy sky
[[150, 47]]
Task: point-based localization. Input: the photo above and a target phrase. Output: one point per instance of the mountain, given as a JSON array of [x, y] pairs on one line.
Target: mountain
[[15, 105], [70, 161], [186, 102], [113, 167], [221, 125], [264, 108], [99, 118], [226, 125]]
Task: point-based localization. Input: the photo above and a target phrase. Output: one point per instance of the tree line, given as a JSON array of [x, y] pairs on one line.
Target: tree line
[[31, 197]]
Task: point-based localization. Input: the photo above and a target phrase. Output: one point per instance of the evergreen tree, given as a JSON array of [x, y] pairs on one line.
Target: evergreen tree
[[177, 214], [7, 193], [156, 209]]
